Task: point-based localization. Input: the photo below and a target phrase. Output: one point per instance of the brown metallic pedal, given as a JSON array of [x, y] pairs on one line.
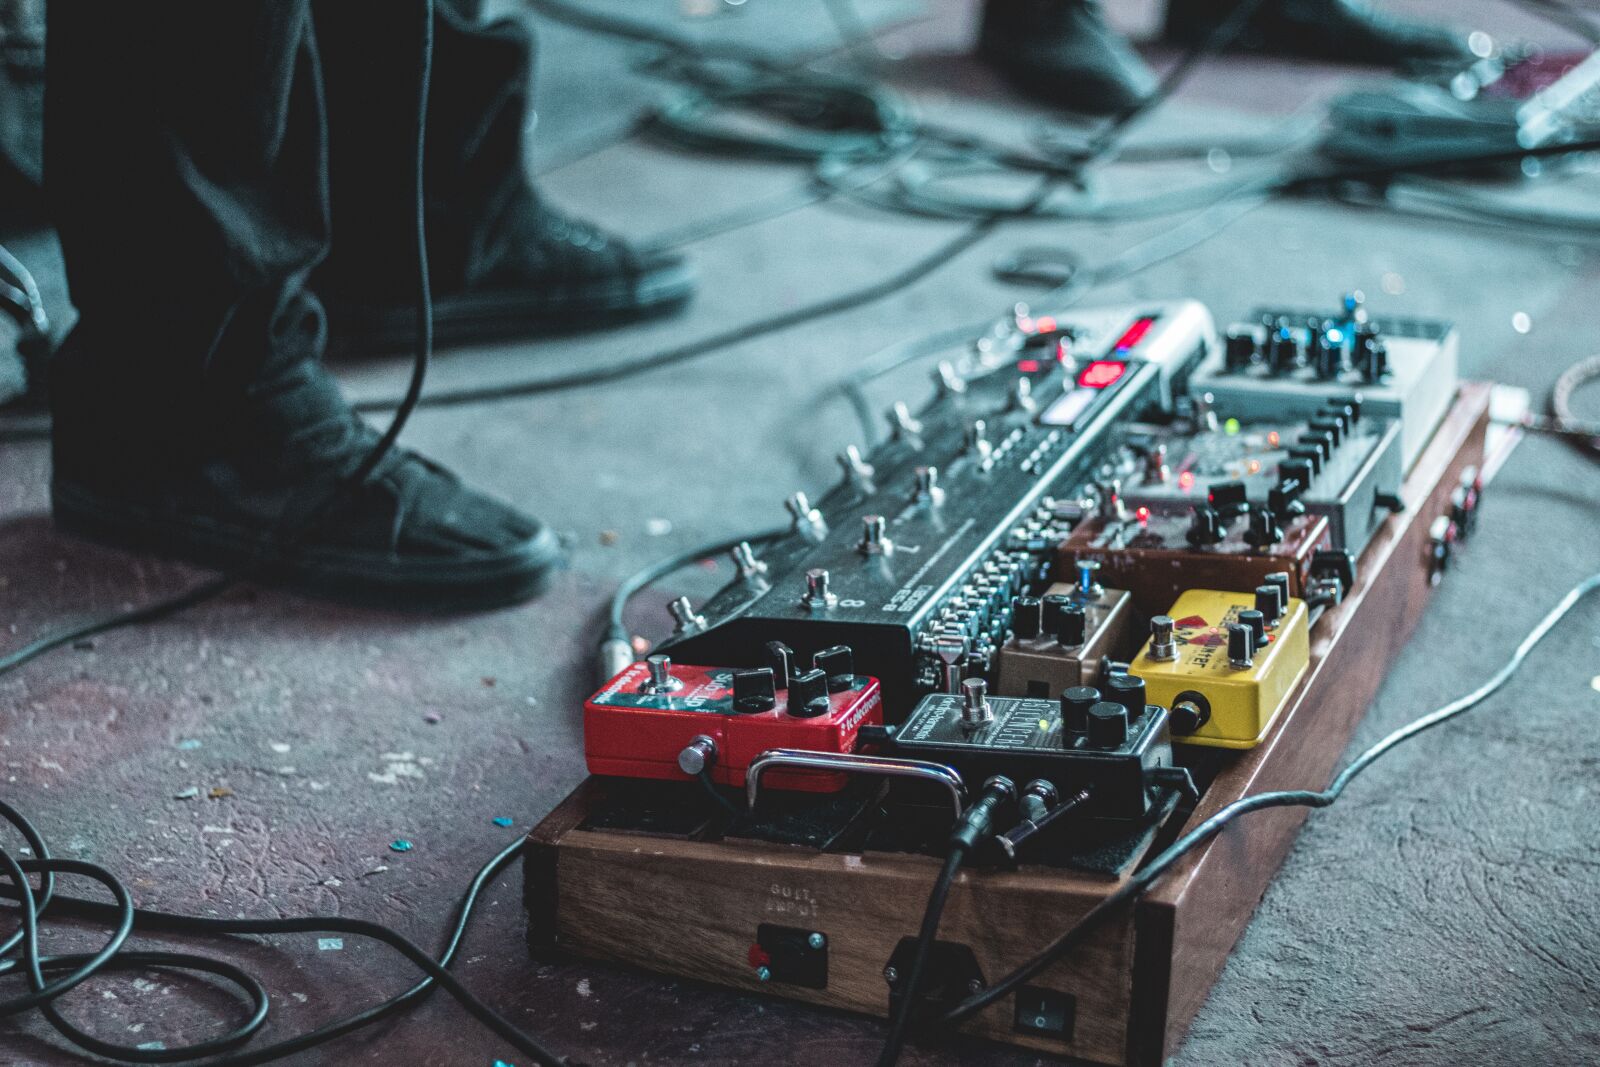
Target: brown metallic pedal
[[1061, 639], [1152, 555]]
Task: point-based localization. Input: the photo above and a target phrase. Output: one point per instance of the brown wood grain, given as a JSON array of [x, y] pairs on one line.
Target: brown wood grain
[[692, 908]]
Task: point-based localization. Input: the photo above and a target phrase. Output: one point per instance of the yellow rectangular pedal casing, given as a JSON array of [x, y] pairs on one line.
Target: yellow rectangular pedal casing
[[1243, 701]]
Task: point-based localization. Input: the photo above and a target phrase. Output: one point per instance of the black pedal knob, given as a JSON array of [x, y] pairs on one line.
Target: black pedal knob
[[1027, 617], [1325, 356], [808, 695], [1321, 441], [1374, 360], [1346, 410], [1241, 646], [1298, 470], [1241, 348], [1280, 579], [1269, 601], [1283, 502], [1354, 404], [1228, 498], [1075, 704], [1050, 618], [1282, 350], [1127, 690], [1258, 625], [1313, 456], [1262, 528], [838, 664], [1205, 527], [1108, 725], [782, 659], [1071, 625], [1330, 425], [754, 690]]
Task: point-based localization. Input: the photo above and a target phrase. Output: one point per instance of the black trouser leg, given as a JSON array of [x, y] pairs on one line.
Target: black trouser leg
[[474, 164], [186, 165]]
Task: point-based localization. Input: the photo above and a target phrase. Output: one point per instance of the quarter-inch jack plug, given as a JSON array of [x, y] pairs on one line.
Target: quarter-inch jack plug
[[1041, 805]]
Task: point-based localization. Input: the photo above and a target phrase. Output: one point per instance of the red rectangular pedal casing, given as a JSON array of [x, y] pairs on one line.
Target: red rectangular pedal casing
[[631, 733]]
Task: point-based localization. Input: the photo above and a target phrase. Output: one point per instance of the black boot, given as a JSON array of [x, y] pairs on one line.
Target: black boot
[[541, 272], [1340, 31], [262, 484], [1062, 52], [504, 263]]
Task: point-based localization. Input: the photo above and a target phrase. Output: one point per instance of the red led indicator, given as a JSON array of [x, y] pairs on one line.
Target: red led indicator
[[1143, 516], [1046, 325], [1186, 481], [1134, 334], [1028, 366], [1101, 373]]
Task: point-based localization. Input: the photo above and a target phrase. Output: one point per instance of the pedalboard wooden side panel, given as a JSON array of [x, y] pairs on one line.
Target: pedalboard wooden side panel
[[1189, 922], [695, 908], [698, 909]]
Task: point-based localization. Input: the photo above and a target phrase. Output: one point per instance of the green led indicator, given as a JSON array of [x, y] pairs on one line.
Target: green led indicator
[[1230, 427]]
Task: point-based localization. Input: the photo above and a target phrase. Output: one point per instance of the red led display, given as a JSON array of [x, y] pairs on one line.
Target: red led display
[[1101, 373], [1134, 334]]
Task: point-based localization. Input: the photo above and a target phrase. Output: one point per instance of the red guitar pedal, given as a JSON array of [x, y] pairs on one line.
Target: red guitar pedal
[[660, 720]]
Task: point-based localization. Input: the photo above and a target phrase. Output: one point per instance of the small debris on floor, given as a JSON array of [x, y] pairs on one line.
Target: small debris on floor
[[488, 683], [583, 988], [188, 744], [279, 746], [432, 718], [609, 537], [501, 820], [187, 794], [220, 791], [658, 527], [400, 844], [330, 944], [84, 645]]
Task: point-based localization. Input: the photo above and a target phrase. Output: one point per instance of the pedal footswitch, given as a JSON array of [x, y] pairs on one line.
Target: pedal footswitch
[[664, 720], [1225, 666]]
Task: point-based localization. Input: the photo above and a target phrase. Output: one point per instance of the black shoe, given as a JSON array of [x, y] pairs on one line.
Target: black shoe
[[264, 487], [1062, 52], [546, 273], [1340, 31]]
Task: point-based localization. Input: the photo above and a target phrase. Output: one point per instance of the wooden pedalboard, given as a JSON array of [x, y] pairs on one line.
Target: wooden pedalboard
[[669, 903]]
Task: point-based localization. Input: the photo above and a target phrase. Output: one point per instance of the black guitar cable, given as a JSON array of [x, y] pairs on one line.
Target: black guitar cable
[[974, 826]]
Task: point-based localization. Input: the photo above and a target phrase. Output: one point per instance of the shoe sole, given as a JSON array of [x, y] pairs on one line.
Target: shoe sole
[[366, 578], [506, 314]]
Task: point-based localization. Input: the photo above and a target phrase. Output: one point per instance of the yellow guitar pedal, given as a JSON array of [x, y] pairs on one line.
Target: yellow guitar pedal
[[1225, 663]]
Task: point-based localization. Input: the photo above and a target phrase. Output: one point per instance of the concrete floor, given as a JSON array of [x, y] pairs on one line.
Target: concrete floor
[[1443, 913]]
